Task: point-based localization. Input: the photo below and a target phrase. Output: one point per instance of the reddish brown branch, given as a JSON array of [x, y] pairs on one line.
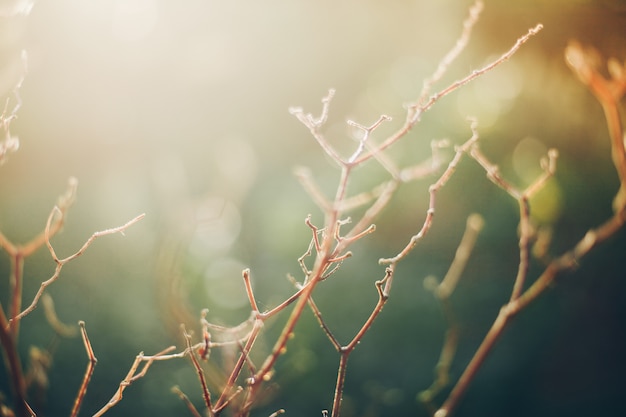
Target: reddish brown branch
[[206, 394], [346, 350], [82, 391], [14, 367], [608, 93], [226, 392]]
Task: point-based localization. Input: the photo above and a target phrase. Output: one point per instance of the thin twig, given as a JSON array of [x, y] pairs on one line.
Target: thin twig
[[565, 262], [608, 93], [248, 284], [433, 189], [473, 226], [443, 291], [331, 247], [192, 409], [19, 253], [224, 397], [318, 316], [417, 109], [57, 325], [346, 350], [314, 125], [206, 394], [91, 366], [131, 377], [61, 262], [14, 367]]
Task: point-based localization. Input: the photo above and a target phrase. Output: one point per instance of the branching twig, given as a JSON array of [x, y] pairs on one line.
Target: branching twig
[[608, 93], [19, 252], [417, 109], [329, 247], [196, 365], [565, 262], [522, 198], [131, 377], [61, 262], [433, 189], [346, 350], [332, 246]]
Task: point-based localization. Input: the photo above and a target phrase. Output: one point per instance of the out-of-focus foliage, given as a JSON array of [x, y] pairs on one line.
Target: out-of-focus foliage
[[179, 110]]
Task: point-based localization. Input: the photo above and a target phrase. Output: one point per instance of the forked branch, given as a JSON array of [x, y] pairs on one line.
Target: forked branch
[[608, 92], [61, 262]]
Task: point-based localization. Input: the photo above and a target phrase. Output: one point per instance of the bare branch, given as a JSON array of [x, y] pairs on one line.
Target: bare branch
[[346, 350], [443, 291], [461, 43], [59, 327], [192, 409], [367, 130], [549, 168], [131, 377], [246, 280], [433, 189], [418, 108], [474, 225], [88, 372], [609, 93], [314, 125], [61, 262], [196, 365], [56, 219]]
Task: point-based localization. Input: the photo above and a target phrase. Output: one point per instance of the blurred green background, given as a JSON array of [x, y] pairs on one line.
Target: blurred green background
[[179, 110]]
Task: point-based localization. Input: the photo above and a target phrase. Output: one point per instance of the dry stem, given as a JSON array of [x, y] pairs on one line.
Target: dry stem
[[132, 376], [609, 93], [91, 366], [443, 291], [61, 262]]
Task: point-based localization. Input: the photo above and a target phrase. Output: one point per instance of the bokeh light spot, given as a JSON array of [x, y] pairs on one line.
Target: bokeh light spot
[[526, 159], [546, 204]]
